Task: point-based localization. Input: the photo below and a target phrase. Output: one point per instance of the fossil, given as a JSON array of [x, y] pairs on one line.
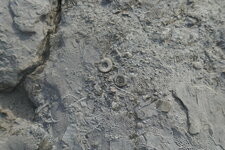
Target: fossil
[[105, 65], [120, 81]]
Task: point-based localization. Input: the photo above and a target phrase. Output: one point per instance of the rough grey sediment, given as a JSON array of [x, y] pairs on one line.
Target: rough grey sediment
[[113, 74]]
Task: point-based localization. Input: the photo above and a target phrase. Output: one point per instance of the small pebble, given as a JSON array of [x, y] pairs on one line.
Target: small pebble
[[115, 106], [98, 90], [140, 125], [113, 90], [127, 55], [195, 126], [83, 104], [197, 65], [141, 114], [163, 106], [146, 97]]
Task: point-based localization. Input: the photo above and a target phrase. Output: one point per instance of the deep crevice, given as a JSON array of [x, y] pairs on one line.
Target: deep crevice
[[43, 54], [44, 50]]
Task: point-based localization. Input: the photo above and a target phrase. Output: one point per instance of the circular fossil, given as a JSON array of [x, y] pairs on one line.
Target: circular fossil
[[105, 65], [120, 80]]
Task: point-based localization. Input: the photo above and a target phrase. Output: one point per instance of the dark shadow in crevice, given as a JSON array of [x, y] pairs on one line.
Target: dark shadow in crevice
[[106, 2]]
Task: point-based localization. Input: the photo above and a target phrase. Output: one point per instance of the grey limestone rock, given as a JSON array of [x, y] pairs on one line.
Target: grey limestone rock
[[112, 74]]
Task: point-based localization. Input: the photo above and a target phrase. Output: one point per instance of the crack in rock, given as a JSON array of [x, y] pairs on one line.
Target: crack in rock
[[17, 64]]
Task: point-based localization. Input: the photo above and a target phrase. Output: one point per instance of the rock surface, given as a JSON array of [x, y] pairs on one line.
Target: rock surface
[[112, 74]]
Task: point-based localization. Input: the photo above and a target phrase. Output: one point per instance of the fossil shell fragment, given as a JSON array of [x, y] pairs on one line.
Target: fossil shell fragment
[[105, 65]]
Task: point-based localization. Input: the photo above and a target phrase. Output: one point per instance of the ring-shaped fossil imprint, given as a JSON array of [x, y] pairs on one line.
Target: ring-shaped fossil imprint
[[120, 81], [105, 65]]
